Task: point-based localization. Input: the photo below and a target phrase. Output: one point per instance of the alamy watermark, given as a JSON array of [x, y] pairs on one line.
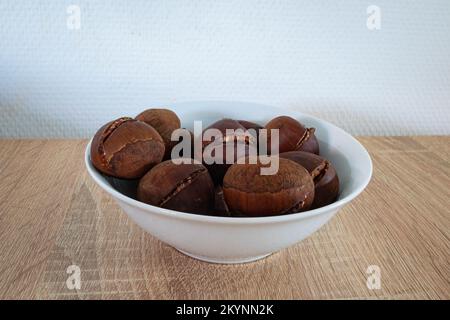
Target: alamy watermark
[[373, 17], [217, 147], [73, 282], [73, 21], [373, 281]]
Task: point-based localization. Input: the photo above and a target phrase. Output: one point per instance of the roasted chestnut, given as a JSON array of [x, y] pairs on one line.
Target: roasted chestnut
[[186, 187], [293, 136], [325, 178], [126, 148], [165, 122], [239, 144], [247, 191]]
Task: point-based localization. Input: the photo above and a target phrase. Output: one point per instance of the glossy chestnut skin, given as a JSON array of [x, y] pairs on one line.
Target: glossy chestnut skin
[[243, 144], [165, 122], [181, 187], [126, 148], [326, 180], [249, 193], [293, 135]]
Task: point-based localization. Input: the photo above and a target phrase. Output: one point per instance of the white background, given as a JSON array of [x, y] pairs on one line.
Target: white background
[[314, 56]]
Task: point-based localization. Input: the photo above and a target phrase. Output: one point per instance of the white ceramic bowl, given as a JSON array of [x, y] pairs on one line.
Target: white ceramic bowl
[[239, 240]]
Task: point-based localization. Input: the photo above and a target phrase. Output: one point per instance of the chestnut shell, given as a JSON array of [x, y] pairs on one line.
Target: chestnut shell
[[164, 121], [126, 148], [249, 193], [293, 135], [182, 187], [243, 145], [326, 180]]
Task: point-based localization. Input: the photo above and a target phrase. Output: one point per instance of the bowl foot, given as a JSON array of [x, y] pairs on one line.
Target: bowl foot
[[223, 260]]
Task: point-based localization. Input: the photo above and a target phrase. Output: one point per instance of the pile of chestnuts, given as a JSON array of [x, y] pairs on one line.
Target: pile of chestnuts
[[141, 150]]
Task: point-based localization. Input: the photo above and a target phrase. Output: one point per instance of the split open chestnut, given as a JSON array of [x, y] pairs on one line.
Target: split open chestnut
[[325, 178], [293, 136], [126, 148], [165, 122], [184, 187]]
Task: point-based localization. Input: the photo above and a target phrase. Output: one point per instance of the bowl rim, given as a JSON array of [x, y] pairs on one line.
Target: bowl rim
[[100, 180]]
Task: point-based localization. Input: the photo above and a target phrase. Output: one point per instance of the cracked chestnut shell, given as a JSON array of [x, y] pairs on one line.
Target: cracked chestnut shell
[[126, 148], [325, 178], [164, 121], [293, 135], [243, 144], [249, 193], [181, 187]]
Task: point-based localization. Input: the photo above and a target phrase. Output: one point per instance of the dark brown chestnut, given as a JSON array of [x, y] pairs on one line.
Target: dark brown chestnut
[[184, 187], [164, 121], [325, 178], [240, 144], [289, 190], [293, 135], [126, 148]]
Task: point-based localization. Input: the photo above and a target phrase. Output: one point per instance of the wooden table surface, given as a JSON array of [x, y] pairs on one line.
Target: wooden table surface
[[53, 216]]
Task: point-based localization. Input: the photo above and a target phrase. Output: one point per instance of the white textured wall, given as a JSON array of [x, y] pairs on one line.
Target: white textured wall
[[315, 56]]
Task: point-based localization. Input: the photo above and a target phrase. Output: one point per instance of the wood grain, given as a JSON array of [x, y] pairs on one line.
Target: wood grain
[[52, 216]]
